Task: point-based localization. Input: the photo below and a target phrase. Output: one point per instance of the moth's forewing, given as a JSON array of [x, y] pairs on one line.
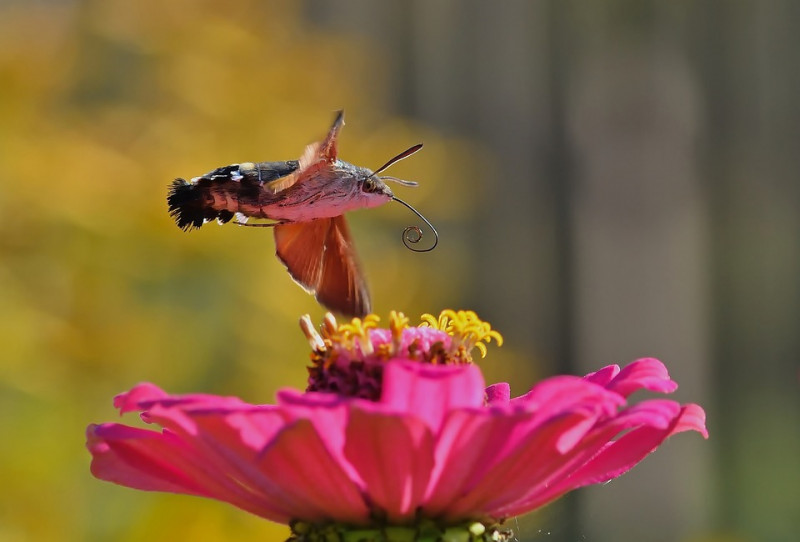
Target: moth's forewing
[[316, 156], [329, 148], [342, 282], [300, 246], [319, 256]]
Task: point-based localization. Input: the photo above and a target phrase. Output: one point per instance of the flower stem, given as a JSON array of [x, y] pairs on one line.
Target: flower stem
[[427, 531]]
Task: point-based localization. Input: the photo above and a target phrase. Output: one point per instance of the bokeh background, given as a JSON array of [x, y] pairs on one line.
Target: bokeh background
[[610, 180]]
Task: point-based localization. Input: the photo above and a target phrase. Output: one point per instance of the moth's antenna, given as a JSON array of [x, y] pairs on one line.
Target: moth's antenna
[[413, 234], [402, 182], [405, 154]]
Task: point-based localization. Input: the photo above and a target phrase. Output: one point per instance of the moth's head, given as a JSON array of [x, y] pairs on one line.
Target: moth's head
[[374, 190], [373, 185]]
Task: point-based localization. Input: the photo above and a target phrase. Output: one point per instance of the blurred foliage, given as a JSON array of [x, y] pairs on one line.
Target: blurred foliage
[[102, 104]]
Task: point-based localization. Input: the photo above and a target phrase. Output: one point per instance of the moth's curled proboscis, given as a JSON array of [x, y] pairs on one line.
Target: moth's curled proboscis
[[413, 234]]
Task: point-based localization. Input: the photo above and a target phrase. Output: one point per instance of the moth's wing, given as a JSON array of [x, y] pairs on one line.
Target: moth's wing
[[320, 257], [329, 148], [301, 247], [342, 285], [316, 156]]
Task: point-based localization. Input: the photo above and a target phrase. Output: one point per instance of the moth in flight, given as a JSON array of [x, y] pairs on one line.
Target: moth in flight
[[306, 200]]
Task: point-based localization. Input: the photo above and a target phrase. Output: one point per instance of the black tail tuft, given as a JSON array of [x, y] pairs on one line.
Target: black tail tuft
[[187, 205]]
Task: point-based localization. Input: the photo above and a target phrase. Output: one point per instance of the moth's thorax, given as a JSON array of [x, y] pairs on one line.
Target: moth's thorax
[[326, 192]]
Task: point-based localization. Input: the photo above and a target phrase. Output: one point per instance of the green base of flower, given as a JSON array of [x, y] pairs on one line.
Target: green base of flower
[[426, 532]]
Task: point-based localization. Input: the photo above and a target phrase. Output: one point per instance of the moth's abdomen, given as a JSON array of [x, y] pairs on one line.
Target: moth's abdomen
[[223, 192], [191, 205]]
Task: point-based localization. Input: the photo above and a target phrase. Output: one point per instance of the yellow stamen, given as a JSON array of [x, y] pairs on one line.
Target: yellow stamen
[[468, 331], [329, 325], [357, 333], [397, 323], [314, 338]]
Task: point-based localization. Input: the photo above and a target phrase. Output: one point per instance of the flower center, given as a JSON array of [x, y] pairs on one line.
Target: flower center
[[348, 359]]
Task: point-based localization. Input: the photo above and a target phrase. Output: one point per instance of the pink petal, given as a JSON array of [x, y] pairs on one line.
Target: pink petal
[[613, 459], [211, 450], [552, 469], [507, 454], [498, 394], [514, 471], [429, 392], [309, 479], [144, 396], [645, 373], [253, 428], [330, 414], [622, 454], [393, 455], [566, 393], [469, 444], [693, 418], [154, 461], [603, 376], [136, 458], [129, 401]]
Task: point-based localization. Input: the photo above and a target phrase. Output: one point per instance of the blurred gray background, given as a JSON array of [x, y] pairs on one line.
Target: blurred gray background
[[644, 199]]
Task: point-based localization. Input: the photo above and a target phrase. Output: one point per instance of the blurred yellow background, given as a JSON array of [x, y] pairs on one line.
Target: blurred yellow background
[[102, 104], [611, 180]]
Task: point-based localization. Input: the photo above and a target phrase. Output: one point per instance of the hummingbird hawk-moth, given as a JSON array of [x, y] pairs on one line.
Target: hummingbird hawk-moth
[[306, 199]]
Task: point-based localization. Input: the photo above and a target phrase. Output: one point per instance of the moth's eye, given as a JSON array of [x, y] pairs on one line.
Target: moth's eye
[[369, 184]]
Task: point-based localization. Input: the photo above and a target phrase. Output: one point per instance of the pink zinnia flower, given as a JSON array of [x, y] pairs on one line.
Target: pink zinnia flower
[[396, 433]]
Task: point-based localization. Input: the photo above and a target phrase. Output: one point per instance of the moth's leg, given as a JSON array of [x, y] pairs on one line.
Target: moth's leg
[[242, 221], [259, 225]]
